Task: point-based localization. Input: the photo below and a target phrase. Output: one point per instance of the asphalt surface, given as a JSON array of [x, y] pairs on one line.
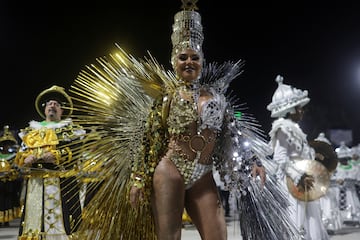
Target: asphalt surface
[[189, 232]]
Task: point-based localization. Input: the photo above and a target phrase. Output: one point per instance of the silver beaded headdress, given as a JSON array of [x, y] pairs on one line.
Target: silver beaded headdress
[[187, 30]]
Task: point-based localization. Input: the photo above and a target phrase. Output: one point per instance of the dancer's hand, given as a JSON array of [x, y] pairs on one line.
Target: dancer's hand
[[259, 171], [306, 183], [136, 196], [48, 157], [29, 160]]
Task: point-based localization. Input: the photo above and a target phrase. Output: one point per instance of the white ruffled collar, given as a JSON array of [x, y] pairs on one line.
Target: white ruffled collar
[[53, 125]]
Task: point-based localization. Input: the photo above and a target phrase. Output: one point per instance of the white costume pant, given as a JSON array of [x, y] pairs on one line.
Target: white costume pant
[[307, 216], [330, 210]]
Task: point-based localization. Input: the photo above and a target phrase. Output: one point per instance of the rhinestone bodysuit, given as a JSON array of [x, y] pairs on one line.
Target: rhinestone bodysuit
[[193, 135]]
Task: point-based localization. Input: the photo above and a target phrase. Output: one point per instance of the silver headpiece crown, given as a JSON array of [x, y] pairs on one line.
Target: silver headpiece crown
[[187, 30], [343, 151], [285, 98], [322, 138]]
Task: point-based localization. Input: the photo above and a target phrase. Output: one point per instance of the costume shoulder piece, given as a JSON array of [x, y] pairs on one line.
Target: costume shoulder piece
[[219, 76], [290, 128]]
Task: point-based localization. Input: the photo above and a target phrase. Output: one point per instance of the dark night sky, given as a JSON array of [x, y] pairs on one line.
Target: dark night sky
[[314, 48]]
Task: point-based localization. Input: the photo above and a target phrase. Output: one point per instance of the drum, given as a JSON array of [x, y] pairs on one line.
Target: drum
[[330, 160]]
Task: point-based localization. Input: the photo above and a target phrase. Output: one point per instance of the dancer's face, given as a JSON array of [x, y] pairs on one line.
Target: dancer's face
[[298, 115], [188, 65], [53, 110]]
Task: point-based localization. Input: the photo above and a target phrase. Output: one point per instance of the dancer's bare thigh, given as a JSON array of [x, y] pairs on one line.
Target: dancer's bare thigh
[[168, 200], [203, 205]]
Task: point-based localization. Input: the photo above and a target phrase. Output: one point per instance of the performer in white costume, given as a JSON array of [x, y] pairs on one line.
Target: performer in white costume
[[346, 178], [329, 203], [355, 161], [290, 144]]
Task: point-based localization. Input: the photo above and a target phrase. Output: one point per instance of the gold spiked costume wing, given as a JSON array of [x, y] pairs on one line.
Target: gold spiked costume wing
[[113, 100]]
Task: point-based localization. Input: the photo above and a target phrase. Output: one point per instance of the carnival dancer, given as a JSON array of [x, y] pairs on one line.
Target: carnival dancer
[[329, 205], [51, 209], [355, 161], [290, 147], [349, 203], [10, 181], [161, 134]]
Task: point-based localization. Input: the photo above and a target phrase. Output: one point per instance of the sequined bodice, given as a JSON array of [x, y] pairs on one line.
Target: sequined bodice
[[183, 112]]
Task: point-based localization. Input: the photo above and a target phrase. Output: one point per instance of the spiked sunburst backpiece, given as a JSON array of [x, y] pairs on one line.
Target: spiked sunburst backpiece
[[123, 103]]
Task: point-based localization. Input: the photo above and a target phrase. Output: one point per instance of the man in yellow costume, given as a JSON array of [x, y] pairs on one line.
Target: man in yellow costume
[[46, 162]]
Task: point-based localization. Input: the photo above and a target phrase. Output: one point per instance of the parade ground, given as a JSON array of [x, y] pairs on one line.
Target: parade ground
[[190, 233]]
